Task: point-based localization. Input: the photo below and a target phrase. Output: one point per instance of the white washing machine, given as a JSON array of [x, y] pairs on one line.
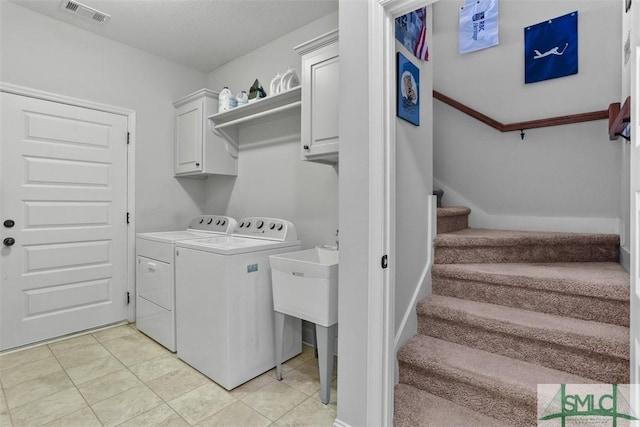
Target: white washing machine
[[225, 317], [155, 275]]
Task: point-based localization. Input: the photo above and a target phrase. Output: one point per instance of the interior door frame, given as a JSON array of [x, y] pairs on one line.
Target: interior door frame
[[634, 232], [131, 161], [382, 149]]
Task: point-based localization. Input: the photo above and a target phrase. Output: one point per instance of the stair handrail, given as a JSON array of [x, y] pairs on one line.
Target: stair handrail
[[521, 126], [619, 117]]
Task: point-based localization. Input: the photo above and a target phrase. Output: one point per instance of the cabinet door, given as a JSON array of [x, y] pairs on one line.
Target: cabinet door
[[189, 126], [320, 118]]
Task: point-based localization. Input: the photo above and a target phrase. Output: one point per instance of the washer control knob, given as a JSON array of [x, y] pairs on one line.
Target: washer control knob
[[201, 220], [248, 224], [259, 224], [241, 224], [280, 227], [272, 226], [218, 222], [223, 222], [210, 221]]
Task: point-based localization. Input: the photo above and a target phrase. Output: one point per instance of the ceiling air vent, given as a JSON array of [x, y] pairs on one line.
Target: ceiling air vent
[[77, 8]]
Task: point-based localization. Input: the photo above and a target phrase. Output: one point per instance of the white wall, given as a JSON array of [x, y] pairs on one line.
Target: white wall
[[272, 179], [414, 184], [42, 53], [568, 171]]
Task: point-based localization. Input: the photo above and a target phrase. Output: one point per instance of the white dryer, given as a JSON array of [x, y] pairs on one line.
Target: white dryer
[[224, 301], [155, 275]]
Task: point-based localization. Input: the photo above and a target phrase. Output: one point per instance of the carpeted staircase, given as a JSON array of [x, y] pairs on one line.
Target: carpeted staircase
[[511, 310]]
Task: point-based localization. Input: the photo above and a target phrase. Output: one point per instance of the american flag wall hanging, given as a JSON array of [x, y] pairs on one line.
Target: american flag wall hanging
[[411, 31]]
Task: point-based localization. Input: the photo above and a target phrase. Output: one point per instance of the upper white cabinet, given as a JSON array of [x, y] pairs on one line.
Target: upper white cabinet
[[198, 150], [320, 92]]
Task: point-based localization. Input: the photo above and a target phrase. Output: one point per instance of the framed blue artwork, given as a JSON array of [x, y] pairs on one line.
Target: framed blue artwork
[[408, 90]]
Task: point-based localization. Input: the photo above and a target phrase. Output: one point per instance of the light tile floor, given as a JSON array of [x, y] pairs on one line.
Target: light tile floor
[[118, 376]]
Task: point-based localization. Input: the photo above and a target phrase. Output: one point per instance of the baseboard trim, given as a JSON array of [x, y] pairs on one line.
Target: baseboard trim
[[481, 219], [338, 423], [625, 258]]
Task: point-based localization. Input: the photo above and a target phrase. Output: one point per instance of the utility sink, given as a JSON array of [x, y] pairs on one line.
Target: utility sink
[[305, 284]]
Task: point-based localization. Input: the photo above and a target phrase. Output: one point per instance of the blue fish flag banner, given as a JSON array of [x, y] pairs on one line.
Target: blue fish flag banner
[[411, 31], [478, 25], [551, 49]]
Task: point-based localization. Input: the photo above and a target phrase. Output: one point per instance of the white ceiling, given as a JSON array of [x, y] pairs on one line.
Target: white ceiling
[[202, 34]]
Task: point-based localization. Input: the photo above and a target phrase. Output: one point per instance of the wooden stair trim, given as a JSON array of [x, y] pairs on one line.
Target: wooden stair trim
[[530, 124], [618, 118]]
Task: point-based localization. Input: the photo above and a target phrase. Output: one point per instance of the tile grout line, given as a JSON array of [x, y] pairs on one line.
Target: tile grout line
[[131, 372], [64, 370], [4, 396], [164, 402], [74, 385]]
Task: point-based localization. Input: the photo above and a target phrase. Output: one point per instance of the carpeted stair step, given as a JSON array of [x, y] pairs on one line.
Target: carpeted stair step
[[452, 218], [470, 246], [495, 385], [417, 408], [590, 349], [589, 291]]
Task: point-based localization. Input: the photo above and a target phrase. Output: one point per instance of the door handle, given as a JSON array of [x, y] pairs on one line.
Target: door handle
[[9, 241], [9, 223]]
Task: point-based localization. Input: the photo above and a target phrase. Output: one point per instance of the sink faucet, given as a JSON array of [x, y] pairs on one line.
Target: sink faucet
[[337, 240]]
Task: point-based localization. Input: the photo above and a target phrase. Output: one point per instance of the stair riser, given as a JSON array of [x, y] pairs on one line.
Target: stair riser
[[577, 306], [485, 398], [607, 369], [449, 224], [510, 254]]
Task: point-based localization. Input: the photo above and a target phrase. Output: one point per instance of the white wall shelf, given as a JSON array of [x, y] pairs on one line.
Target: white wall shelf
[[272, 107]]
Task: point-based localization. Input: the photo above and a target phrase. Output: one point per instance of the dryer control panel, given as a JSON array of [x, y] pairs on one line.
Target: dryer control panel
[[266, 228], [213, 223]]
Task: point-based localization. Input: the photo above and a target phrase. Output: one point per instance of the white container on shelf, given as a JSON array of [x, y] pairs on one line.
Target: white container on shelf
[[242, 98], [226, 100], [289, 80], [274, 87]]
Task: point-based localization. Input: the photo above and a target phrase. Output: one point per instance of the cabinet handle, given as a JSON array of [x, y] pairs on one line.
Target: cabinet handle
[[198, 164], [306, 147]]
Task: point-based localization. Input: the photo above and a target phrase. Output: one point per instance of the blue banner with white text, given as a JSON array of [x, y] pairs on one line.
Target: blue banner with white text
[[551, 48]]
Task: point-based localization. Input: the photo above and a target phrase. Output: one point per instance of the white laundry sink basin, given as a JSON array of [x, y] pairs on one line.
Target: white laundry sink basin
[[305, 284]]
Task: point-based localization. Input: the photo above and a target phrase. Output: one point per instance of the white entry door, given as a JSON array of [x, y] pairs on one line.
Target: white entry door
[[63, 183]]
